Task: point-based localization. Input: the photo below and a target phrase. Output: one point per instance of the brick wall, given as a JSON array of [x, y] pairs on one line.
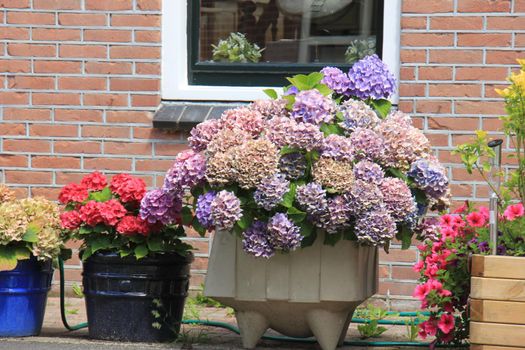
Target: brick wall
[[79, 80]]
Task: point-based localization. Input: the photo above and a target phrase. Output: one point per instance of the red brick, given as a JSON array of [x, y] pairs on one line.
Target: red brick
[[427, 6], [26, 114], [82, 19], [453, 123], [14, 4], [15, 66], [113, 5], [145, 100], [490, 92], [83, 115], [13, 161], [83, 51], [503, 57], [413, 22], [484, 5], [153, 165], [413, 56], [407, 90], [461, 174], [108, 68], [128, 117], [32, 18], [127, 148], [434, 106], [12, 129], [105, 100], [519, 5], [147, 68], [55, 162], [120, 164], [456, 23], [31, 50], [31, 82], [438, 140], [147, 36], [81, 83], [135, 20], [64, 178], [53, 130], [153, 134], [57, 67], [427, 39], [164, 149], [481, 73], [492, 124], [397, 255], [455, 90], [134, 52], [434, 73], [55, 99], [107, 35], [133, 84], [83, 147], [105, 132], [50, 193], [149, 5], [57, 4], [519, 40], [406, 106], [28, 177], [54, 34], [456, 56], [13, 98], [404, 273], [33, 146], [479, 107], [484, 40], [14, 33], [506, 23]]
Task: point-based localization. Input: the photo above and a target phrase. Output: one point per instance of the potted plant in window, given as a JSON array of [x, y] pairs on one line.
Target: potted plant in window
[[132, 265], [300, 191], [236, 48], [30, 240]]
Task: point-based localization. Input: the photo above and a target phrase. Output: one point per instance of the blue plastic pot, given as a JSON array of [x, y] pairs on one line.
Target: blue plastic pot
[[23, 296]]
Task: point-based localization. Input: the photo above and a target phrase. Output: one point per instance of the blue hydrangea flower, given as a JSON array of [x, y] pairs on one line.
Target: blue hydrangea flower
[[270, 191], [375, 227], [312, 107], [430, 177], [370, 78], [255, 240], [292, 165], [203, 211], [283, 234], [335, 79]]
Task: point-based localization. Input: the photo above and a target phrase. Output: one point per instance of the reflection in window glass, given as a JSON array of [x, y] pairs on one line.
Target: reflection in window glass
[[288, 31]]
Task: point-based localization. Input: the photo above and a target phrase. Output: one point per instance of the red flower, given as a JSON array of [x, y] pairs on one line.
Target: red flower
[[73, 193], [70, 220], [446, 323], [112, 211], [90, 213], [128, 188], [421, 291], [514, 211], [132, 225], [94, 181], [475, 219]]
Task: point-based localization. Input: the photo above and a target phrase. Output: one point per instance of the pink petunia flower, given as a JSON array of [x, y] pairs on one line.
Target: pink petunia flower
[[446, 323], [476, 219], [514, 211]]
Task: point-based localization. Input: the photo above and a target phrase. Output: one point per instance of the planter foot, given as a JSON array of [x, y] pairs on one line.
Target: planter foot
[[252, 326], [327, 327], [345, 329]]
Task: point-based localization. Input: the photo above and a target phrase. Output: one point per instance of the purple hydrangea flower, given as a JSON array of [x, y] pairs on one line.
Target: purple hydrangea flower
[[375, 227], [283, 233], [337, 147], [292, 90], [270, 191], [430, 177], [225, 210], [398, 198], [367, 144], [428, 228], [203, 210], [368, 171], [312, 107], [337, 215], [188, 171], [284, 131], [335, 79], [203, 134], [370, 78], [363, 196], [160, 206], [255, 240], [357, 114], [292, 165], [312, 199]]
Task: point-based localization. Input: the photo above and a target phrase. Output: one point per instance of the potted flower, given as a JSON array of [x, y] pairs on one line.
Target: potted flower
[[30, 239], [131, 265], [236, 48], [300, 191]]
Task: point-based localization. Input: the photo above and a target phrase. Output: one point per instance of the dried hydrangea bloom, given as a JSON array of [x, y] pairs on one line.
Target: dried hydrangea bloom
[[400, 118], [202, 134], [254, 161], [375, 227], [225, 140], [337, 215], [279, 130], [225, 210], [397, 198], [337, 147], [335, 79], [41, 211], [312, 107], [6, 194], [48, 244], [312, 199], [357, 114], [270, 191], [13, 222], [243, 118], [283, 234], [271, 108], [333, 174], [219, 168], [370, 78], [368, 171], [363, 196], [430, 176], [366, 144], [292, 165], [187, 171], [255, 240]]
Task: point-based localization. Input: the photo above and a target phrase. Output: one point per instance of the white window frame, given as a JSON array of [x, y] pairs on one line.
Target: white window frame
[[174, 85]]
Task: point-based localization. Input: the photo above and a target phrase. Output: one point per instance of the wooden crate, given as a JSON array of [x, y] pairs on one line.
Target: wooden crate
[[498, 303]]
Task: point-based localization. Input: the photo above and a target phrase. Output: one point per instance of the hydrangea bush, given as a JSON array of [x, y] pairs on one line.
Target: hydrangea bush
[[29, 226], [105, 215], [328, 156]]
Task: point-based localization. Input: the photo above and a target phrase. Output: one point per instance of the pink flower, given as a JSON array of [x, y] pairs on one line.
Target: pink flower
[[427, 328], [446, 220], [457, 222], [70, 220], [446, 323], [73, 193], [94, 181], [418, 266], [421, 291], [431, 271], [475, 219], [448, 232], [483, 210], [514, 211], [461, 209]]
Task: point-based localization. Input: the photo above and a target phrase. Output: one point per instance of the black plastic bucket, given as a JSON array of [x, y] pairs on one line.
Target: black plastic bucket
[[125, 297]]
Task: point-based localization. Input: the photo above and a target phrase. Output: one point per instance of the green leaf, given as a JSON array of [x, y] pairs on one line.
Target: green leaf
[[306, 228], [101, 196], [86, 253], [187, 216], [138, 239], [99, 243], [309, 240], [22, 253], [301, 82], [31, 234], [332, 238], [289, 196], [291, 101], [141, 251], [84, 230], [155, 244], [382, 107], [271, 93], [8, 260], [124, 252], [296, 215], [397, 173], [314, 79], [287, 150], [246, 220], [201, 230], [405, 236], [323, 89], [329, 129]]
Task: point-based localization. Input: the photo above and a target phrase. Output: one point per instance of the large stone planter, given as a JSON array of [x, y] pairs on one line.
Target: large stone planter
[[311, 291]]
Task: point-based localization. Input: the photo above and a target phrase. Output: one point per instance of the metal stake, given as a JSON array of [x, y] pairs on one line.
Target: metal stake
[[493, 200]]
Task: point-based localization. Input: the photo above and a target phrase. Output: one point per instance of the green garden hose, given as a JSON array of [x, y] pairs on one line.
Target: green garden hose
[[265, 337]]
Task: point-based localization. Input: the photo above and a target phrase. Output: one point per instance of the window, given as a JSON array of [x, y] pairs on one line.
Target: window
[[290, 37]]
